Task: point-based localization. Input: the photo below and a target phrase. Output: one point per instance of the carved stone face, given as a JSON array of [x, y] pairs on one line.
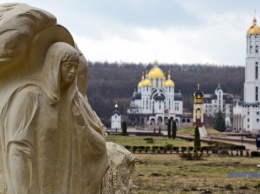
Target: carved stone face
[[13, 49], [69, 71]]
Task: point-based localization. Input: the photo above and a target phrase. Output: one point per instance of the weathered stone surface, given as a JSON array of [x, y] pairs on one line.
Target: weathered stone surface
[[117, 179], [52, 142]]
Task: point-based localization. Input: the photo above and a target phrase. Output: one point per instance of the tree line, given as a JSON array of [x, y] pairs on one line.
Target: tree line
[[111, 82]]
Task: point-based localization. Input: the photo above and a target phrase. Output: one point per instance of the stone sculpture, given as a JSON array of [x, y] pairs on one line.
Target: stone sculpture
[[52, 142], [118, 177]]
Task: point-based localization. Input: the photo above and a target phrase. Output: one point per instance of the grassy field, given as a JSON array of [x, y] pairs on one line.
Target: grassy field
[[168, 173], [210, 131], [139, 141]]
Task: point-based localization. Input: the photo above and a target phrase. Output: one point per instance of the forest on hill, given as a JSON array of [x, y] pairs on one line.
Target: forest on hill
[[111, 82]]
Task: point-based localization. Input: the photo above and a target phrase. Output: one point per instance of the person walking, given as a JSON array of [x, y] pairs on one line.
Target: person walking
[[257, 142]]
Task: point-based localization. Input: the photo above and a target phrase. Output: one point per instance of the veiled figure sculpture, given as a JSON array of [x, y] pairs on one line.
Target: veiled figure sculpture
[[52, 142]]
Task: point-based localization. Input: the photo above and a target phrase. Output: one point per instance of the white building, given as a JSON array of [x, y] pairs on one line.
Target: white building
[[116, 119], [246, 114], [155, 101], [219, 102]]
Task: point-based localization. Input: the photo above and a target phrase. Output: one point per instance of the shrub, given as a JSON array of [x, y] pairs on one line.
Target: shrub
[[149, 140], [194, 156], [247, 153], [140, 149], [147, 148], [190, 148], [237, 147], [170, 147], [134, 148], [176, 149], [183, 149], [223, 152], [255, 154], [165, 149], [128, 147], [154, 148], [241, 152]]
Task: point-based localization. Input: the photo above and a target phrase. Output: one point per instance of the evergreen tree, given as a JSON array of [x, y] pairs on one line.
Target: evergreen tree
[[197, 138], [124, 128], [174, 129], [169, 129], [219, 122]]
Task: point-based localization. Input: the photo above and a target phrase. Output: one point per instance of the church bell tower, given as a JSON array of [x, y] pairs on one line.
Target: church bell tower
[[198, 111]]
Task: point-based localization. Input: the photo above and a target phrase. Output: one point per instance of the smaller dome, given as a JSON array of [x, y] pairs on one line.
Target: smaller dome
[[254, 29], [116, 112], [140, 84], [178, 96], [218, 88], [147, 82], [169, 83], [198, 96]]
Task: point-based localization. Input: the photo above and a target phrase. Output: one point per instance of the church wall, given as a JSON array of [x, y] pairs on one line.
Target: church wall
[[116, 122]]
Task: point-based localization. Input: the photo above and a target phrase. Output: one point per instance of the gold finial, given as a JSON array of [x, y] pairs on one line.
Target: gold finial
[[169, 74], [142, 75], [155, 62], [116, 106], [198, 86], [254, 20]]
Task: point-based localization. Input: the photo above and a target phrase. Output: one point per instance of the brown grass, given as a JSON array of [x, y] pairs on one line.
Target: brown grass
[[158, 141], [168, 173]]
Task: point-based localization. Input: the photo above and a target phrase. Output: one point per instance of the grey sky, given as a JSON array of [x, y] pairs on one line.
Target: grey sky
[[173, 31]]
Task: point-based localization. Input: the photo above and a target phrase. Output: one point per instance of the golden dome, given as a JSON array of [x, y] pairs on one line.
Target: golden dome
[[254, 29], [147, 82], [156, 72], [140, 84], [198, 96], [169, 83]]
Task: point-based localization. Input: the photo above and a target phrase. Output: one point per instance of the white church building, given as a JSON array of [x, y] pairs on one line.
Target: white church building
[[219, 102], [116, 119], [155, 101], [247, 113]]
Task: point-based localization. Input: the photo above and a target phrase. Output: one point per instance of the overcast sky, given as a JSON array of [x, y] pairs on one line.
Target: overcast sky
[[171, 31]]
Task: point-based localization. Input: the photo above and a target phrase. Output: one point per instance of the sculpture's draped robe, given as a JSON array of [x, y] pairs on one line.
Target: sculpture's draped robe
[[50, 136]]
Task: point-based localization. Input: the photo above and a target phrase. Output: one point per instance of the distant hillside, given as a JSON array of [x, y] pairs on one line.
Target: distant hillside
[[109, 82]]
